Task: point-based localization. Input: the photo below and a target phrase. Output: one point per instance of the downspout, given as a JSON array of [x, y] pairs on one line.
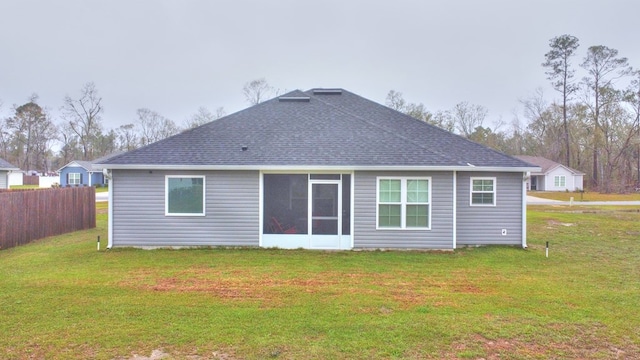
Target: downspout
[[455, 209], [524, 209], [110, 205], [260, 207], [351, 209]]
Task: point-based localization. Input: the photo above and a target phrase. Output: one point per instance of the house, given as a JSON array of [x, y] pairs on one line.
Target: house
[[79, 172], [320, 169], [5, 169], [553, 176]]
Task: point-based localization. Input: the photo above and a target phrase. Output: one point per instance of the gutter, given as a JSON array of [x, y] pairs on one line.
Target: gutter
[[307, 168]]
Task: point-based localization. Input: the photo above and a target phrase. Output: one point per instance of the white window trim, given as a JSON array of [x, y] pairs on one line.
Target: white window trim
[[166, 194], [561, 179], [495, 191], [402, 203], [74, 183]]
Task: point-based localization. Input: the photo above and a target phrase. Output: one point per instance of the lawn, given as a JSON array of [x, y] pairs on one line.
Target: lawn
[[60, 298], [22, 187], [586, 196]]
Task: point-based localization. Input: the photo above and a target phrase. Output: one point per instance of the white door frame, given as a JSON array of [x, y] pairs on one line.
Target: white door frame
[[310, 218]]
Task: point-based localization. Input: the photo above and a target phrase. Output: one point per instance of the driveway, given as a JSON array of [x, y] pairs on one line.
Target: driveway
[[532, 200], [102, 196]]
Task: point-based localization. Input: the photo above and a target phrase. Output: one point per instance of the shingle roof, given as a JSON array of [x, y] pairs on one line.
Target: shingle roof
[[337, 128], [5, 165], [545, 164], [88, 165]]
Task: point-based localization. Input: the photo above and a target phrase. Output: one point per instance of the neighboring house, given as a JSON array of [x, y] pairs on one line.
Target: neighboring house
[[5, 169], [321, 169], [83, 173], [553, 176]]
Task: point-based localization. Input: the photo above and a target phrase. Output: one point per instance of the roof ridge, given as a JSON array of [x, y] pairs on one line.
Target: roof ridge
[[385, 129]]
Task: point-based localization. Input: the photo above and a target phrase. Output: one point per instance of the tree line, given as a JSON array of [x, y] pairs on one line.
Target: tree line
[[592, 125], [28, 137]]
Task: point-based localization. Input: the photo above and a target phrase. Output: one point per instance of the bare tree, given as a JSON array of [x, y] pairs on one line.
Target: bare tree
[[203, 116], [154, 127], [419, 111], [83, 116], [256, 91], [604, 67], [468, 117], [558, 63], [4, 138], [70, 148], [127, 138], [395, 101], [633, 98]]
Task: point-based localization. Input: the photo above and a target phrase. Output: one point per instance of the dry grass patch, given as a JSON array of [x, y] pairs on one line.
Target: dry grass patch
[[274, 289]]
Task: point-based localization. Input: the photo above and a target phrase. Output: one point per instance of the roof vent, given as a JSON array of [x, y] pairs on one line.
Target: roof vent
[[244, 148], [327, 91], [294, 99]]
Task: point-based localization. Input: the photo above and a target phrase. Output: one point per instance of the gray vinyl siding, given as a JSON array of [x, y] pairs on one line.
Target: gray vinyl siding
[[367, 236], [4, 179], [482, 225], [231, 210]]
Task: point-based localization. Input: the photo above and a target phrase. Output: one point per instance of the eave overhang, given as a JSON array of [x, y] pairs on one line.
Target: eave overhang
[[314, 168]]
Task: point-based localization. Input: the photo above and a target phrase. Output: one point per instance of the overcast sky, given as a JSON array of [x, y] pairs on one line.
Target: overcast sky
[[175, 56]]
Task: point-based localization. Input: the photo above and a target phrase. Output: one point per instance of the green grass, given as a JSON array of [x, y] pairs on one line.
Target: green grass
[[586, 196], [60, 298], [98, 189], [24, 187]]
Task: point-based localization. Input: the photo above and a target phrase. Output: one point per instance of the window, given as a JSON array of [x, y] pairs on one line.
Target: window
[[74, 179], [404, 203], [559, 181], [483, 191], [184, 195]]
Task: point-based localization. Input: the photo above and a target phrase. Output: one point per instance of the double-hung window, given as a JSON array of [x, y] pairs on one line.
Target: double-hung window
[[559, 181], [404, 203], [74, 179], [184, 195], [483, 191]]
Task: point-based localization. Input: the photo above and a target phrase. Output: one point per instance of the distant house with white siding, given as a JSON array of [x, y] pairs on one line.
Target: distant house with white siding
[[553, 176], [5, 169]]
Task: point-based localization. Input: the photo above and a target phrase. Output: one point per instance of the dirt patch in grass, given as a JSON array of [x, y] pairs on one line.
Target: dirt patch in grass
[[558, 223], [159, 354], [407, 290]]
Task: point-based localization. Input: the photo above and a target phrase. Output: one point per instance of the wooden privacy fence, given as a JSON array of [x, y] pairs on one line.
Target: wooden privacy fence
[[30, 180], [27, 215]]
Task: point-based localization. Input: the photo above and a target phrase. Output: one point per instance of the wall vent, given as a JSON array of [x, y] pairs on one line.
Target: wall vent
[[327, 91], [294, 99]]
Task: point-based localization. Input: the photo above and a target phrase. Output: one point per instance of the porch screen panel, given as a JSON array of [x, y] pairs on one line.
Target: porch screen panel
[[285, 203], [346, 204]]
